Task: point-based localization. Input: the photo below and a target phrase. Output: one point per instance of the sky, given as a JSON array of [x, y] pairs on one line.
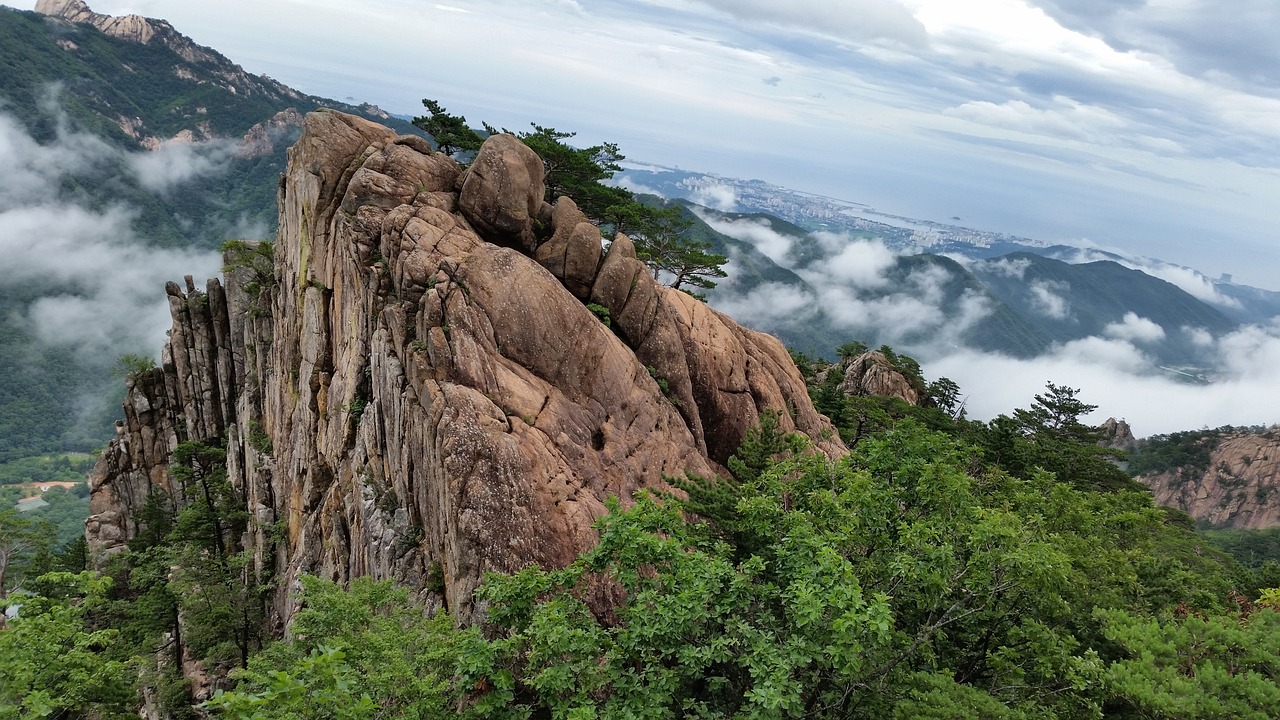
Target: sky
[[1148, 126]]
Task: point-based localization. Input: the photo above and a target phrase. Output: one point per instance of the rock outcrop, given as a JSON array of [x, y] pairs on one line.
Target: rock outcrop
[[1239, 489], [871, 373], [423, 392], [1117, 435]]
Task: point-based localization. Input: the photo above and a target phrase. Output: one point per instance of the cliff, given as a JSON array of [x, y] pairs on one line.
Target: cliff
[[421, 392], [1237, 489]]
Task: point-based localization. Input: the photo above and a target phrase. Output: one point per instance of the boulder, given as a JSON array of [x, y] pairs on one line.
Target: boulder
[[502, 192]]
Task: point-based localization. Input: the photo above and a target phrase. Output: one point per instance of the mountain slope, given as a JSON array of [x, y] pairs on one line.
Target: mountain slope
[[160, 142], [1226, 478], [1070, 302]]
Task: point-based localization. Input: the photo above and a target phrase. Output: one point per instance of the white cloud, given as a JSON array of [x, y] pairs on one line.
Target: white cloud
[[1062, 117], [176, 161], [106, 294], [637, 187], [769, 306], [1135, 328], [1198, 337], [1112, 375], [716, 196], [1046, 301], [1190, 281], [844, 19], [859, 263], [757, 232], [1013, 268]]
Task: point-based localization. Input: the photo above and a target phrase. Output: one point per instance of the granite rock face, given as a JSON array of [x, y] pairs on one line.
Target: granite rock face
[[422, 394], [1239, 489]]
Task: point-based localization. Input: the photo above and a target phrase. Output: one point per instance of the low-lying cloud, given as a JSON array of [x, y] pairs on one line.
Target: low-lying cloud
[[1135, 329], [765, 239], [850, 289], [1115, 376], [98, 287], [1046, 300], [177, 161]]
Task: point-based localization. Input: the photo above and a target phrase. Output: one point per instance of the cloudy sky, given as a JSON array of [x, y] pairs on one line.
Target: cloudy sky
[[1149, 126]]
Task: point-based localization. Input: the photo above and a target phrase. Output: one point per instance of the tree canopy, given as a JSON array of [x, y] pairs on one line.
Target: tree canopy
[[910, 579]]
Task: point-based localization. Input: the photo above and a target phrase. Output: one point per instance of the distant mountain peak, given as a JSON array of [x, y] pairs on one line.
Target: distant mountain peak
[[127, 27], [146, 31]]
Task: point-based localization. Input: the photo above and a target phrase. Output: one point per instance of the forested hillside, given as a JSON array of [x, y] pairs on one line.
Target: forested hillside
[[944, 569]]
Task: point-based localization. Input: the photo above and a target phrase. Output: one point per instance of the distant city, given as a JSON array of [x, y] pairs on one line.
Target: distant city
[[813, 212]]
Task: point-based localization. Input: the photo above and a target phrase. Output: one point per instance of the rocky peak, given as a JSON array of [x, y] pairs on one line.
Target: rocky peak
[[133, 28], [1117, 434], [423, 394], [871, 373]]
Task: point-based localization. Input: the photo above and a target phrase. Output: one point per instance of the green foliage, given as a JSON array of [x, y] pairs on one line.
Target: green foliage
[[320, 688], [65, 512], [577, 172], [1050, 435], [53, 663], [805, 363], [1196, 666], [451, 133], [852, 349], [367, 652], [259, 440], [839, 590], [910, 579], [133, 367], [663, 385], [663, 242], [1188, 450], [602, 313], [56, 467], [255, 259], [944, 393], [1251, 548], [185, 563], [25, 546]]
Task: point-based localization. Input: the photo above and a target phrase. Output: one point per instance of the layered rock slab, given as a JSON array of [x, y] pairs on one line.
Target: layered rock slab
[[440, 404]]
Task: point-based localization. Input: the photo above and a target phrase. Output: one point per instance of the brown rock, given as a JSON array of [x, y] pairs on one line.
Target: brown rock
[[871, 374], [502, 192], [1240, 488], [573, 253], [1117, 435], [422, 400]]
